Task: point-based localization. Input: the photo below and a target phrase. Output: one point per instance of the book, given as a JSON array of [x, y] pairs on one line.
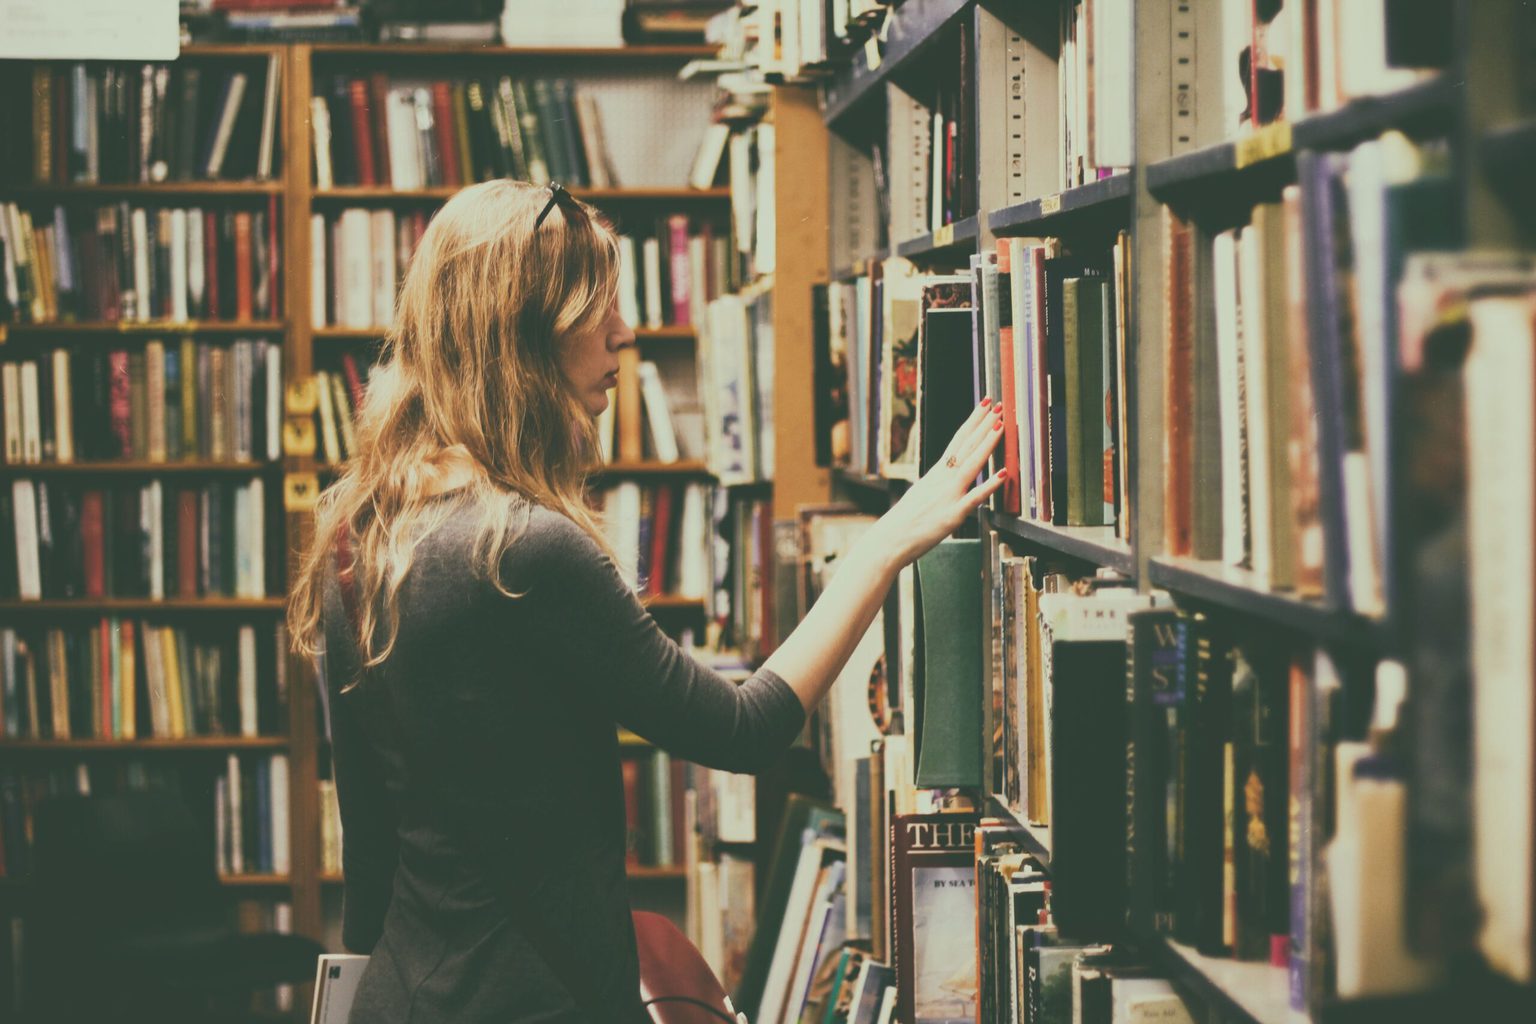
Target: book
[[934, 915]]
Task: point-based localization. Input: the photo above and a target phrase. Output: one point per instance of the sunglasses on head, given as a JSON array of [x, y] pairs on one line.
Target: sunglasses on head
[[557, 195]]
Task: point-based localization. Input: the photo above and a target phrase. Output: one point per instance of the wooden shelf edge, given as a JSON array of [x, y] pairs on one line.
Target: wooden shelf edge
[[141, 188], [148, 605], [1096, 200], [948, 239], [673, 602], [410, 49], [1234, 590], [139, 746], [686, 467], [1253, 992], [255, 881], [1036, 838], [1093, 544], [133, 467], [146, 327], [670, 332], [436, 193]]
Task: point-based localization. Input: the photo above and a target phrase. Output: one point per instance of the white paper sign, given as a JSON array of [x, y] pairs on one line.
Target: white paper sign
[[89, 29]]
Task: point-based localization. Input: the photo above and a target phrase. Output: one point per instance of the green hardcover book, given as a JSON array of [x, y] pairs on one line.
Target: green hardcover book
[[535, 153], [551, 131], [138, 406], [1205, 414], [947, 681]]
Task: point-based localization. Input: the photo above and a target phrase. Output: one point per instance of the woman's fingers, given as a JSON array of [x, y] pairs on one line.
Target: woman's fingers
[[958, 443], [982, 491]]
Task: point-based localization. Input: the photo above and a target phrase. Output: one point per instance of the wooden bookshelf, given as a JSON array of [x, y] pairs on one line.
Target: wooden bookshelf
[[1096, 545], [395, 52], [72, 329], [671, 332], [256, 881], [685, 468], [145, 605], [136, 467], [673, 603], [144, 190], [438, 193], [203, 744]]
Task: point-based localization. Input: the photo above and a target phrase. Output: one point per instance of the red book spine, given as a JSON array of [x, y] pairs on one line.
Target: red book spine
[[1012, 493], [631, 772], [1178, 428], [243, 266], [1042, 389], [442, 125], [275, 289], [118, 404], [661, 527], [354, 380], [211, 259], [92, 543], [362, 136], [186, 543], [682, 278], [378, 85]]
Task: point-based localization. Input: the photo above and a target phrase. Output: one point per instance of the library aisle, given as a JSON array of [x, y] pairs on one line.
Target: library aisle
[[1221, 709]]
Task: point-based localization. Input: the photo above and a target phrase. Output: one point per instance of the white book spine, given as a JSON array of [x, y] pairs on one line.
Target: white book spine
[[328, 439], [153, 509], [274, 399], [317, 271], [242, 550], [256, 539], [221, 825], [268, 119], [404, 158], [1252, 300], [197, 270], [10, 398], [355, 261], [226, 124], [382, 225], [320, 128], [179, 282], [139, 221], [1228, 345], [651, 268], [629, 303], [246, 675], [28, 571], [31, 414], [235, 814], [654, 397], [63, 408]]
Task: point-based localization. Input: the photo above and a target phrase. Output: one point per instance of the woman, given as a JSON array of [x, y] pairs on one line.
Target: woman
[[481, 645]]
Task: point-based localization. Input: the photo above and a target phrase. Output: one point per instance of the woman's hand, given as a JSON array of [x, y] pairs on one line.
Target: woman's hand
[[936, 505]]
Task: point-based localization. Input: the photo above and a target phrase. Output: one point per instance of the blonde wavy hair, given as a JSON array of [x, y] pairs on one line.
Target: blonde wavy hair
[[472, 360]]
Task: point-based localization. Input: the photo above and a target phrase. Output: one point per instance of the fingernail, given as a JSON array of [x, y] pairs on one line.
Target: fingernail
[[1002, 474], [998, 425], [999, 409], [986, 402]]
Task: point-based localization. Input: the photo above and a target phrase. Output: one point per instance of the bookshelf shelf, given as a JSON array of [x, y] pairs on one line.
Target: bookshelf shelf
[[187, 743], [1255, 992], [912, 29], [1266, 160], [858, 266], [653, 873], [135, 468], [674, 602], [1235, 589], [398, 51], [146, 327], [1036, 838], [1097, 204], [1097, 545], [255, 881], [672, 332], [145, 189], [145, 605], [438, 193], [689, 468], [945, 242], [863, 481]]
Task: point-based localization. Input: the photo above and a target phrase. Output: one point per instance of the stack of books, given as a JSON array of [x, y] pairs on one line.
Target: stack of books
[[251, 818], [659, 534]]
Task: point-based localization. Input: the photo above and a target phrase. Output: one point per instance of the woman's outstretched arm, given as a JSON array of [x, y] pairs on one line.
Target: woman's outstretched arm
[[812, 656]]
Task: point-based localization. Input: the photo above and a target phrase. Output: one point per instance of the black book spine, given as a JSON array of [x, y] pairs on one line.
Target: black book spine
[[1260, 759], [9, 583], [187, 120], [1208, 661], [1154, 693], [1087, 744]]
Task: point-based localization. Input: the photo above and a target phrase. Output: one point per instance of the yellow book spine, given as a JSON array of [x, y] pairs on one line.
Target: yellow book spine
[[178, 728]]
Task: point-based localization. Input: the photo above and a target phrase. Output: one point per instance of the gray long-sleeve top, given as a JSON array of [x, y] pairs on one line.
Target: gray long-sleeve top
[[478, 775]]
